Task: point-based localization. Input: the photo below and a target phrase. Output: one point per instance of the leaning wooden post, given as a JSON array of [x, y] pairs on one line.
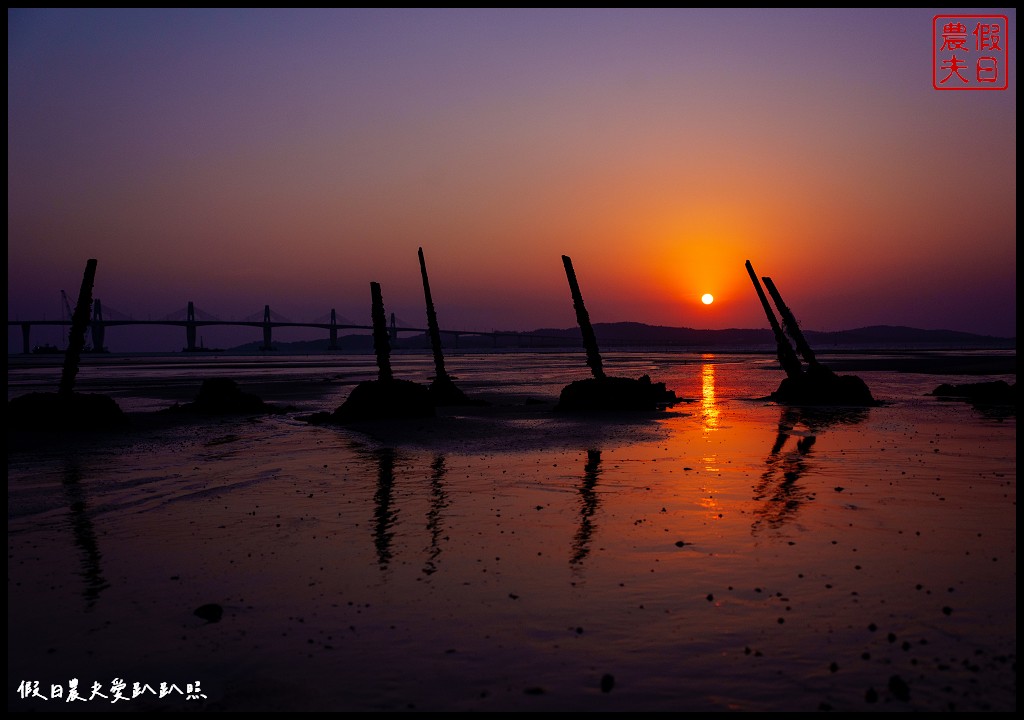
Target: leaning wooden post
[[381, 345], [787, 357], [789, 322], [583, 318], [76, 340], [441, 375]]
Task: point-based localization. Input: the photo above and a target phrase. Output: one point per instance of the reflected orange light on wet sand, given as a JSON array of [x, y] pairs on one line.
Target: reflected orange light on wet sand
[[708, 409], [709, 420]]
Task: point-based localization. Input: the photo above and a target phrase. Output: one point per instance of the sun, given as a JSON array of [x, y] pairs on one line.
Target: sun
[[707, 298]]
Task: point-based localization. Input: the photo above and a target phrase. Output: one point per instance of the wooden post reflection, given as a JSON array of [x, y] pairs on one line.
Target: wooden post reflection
[[588, 506]]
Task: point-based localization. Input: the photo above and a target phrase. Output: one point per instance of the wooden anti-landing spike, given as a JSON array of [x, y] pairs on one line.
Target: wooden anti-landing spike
[[787, 356], [76, 339], [790, 324], [440, 374], [381, 344], [583, 319]]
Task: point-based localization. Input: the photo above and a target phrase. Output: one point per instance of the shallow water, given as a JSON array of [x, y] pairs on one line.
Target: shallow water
[[727, 554]]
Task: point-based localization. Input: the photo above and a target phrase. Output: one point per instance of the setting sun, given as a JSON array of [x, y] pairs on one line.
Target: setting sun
[[707, 298]]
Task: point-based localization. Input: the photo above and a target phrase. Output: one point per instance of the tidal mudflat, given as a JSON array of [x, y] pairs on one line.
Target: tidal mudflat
[[727, 554]]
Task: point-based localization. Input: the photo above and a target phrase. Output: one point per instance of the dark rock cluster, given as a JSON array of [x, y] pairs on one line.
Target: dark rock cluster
[[223, 396], [385, 400], [615, 394], [996, 392], [817, 385], [58, 412]]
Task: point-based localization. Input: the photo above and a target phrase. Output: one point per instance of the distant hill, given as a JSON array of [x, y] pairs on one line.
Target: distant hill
[[638, 335], [896, 335]]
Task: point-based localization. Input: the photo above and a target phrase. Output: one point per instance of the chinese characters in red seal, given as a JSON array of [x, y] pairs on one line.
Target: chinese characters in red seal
[[969, 52]]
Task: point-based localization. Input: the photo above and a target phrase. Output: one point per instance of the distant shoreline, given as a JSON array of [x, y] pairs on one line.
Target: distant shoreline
[[611, 337]]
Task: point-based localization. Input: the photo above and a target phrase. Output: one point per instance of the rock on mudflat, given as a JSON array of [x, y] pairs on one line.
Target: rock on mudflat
[[996, 392], [615, 394], [55, 412], [385, 400], [820, 386], [222, 396], [211, 612], [444, 392]]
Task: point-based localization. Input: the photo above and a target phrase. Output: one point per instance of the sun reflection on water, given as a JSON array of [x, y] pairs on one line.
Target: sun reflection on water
[[709, 417], [708, 408]]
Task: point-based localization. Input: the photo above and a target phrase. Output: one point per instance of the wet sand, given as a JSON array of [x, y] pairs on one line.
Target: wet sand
[[727, 554]]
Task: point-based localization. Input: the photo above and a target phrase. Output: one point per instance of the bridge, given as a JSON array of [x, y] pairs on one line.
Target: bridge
[[193, 321]]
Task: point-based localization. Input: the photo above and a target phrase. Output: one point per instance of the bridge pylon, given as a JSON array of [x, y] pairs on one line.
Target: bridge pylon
[[97, 328], [190, 329], [267, 344]]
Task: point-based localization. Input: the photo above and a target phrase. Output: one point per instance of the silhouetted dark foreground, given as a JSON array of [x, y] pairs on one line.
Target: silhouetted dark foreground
[[386, 397], [222, 396], [602, 393], [443, 390], [730, 556], [56, 412], [613, 394], [820, 386], [383, 400], [66, 409], [996, 392], [817, 385]]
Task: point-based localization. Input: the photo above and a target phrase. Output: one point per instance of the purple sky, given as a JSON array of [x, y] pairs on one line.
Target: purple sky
[[239, 158]]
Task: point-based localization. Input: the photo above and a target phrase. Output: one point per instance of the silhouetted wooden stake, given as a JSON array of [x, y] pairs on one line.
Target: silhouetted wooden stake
[[787, 357], [441, 375], [583, 318], [790, 324], [381, 344], [76, 339]]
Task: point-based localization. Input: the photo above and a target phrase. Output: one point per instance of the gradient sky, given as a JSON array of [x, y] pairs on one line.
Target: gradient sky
[[240, 158]]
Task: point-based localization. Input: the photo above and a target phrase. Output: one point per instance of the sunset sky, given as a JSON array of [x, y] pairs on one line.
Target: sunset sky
[[239, 158]]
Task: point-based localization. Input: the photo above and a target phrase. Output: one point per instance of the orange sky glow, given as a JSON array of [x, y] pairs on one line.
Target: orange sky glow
[[239, 158]]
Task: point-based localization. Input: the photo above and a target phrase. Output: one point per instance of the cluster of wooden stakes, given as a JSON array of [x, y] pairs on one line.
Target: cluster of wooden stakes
[[389, 397], [817, 385]]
